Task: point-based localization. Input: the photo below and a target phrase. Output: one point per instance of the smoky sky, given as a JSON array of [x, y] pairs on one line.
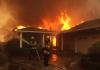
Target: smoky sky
[[30, 12]]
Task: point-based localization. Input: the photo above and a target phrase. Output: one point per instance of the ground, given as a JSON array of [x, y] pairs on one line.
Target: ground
[[56, 62]]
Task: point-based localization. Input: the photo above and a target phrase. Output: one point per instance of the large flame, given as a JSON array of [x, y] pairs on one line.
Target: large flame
[[64, 19], [61, 23]]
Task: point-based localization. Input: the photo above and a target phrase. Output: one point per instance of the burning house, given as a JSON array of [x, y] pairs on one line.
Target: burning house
[[80, 38], [28, 34], [28, 39]]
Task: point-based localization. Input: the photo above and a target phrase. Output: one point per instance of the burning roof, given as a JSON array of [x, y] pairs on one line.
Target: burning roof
[[35, 30], [86, 25]]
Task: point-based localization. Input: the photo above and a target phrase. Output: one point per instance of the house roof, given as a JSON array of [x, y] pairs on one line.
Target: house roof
[[34, 30], [93, 24]]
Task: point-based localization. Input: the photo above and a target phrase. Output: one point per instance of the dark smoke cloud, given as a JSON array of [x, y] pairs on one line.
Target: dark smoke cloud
[[30, 12]]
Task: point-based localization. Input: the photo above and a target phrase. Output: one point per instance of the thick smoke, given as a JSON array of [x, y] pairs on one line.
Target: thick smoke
[[31, 12], [7, 22]]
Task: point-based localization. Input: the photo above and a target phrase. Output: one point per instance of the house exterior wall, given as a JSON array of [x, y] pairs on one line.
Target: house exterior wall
[[68, 44], [80, 42]]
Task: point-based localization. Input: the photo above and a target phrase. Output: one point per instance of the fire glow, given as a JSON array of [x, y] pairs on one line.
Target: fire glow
[[20, 27], [7, 22], [54, 57], [54, 41], [65, 20], [61, 23]]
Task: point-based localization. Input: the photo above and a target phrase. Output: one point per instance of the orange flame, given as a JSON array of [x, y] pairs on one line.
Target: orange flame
[[54, 41], [60, 23], [20, 27], [47, 24], [40, 27], [64, 19]]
